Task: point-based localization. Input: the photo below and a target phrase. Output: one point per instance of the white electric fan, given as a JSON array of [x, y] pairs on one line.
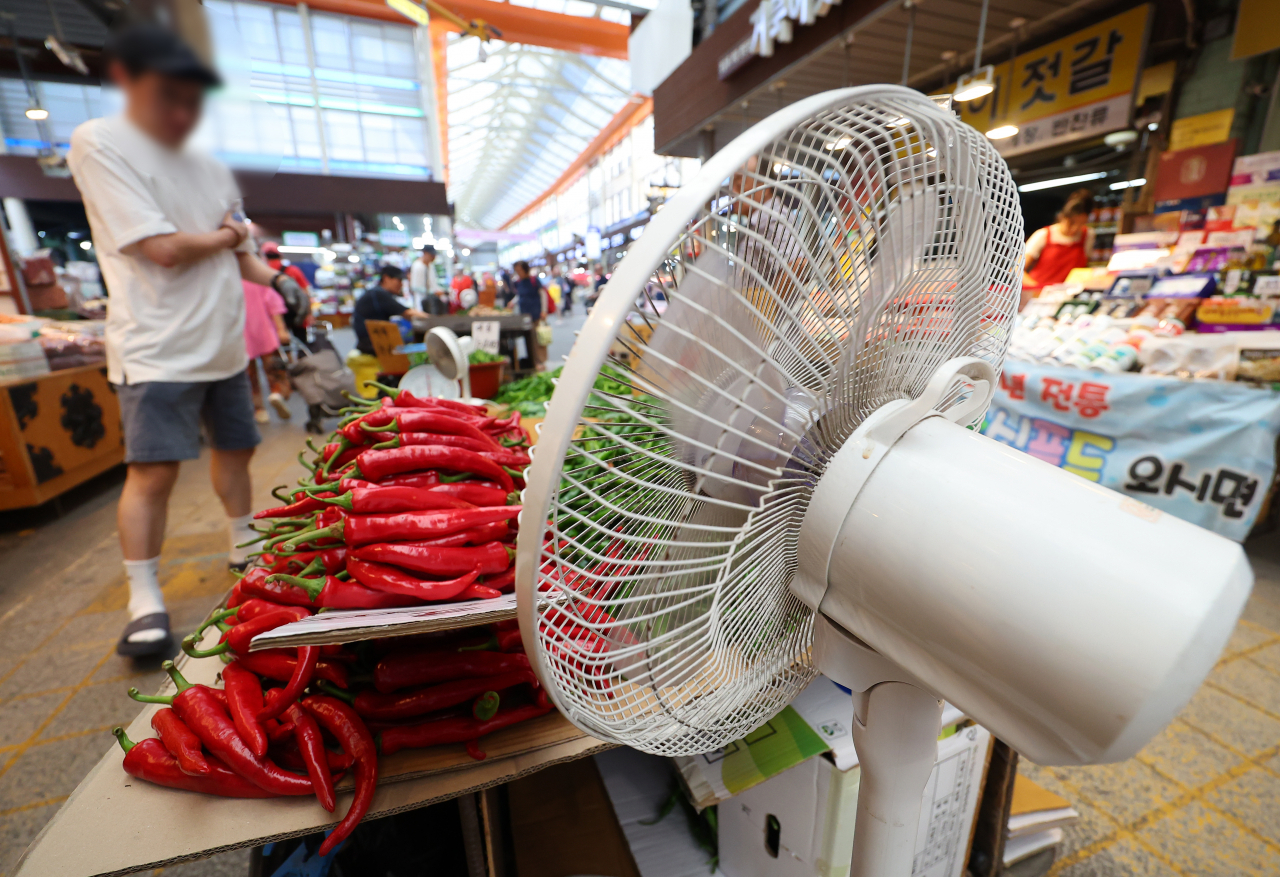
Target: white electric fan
[[778, 479], [449, 368]]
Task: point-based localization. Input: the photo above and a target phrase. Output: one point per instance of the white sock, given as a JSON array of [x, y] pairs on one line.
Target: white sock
[[241, 532], [144, 595]]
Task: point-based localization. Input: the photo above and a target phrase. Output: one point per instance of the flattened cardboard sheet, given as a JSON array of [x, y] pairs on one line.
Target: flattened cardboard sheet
[[361, 624]]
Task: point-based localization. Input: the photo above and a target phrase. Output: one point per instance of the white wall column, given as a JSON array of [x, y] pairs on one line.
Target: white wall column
[[23, 233]]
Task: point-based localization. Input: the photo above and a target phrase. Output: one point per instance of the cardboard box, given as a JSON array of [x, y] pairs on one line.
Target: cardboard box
[[562, 823], [801, 823], [819, 719]]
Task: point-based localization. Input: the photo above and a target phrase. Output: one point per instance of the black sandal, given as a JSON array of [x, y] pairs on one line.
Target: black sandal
[[154, 621]]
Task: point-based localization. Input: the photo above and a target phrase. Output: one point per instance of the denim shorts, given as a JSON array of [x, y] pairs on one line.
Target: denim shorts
[[161, 419]]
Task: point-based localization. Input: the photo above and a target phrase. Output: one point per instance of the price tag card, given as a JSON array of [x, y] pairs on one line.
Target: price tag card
[[485, 334]]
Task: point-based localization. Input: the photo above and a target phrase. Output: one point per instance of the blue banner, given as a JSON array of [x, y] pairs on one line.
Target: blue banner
[[1201, 450]]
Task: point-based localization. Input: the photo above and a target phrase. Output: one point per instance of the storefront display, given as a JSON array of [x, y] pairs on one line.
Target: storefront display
[[1191, 314]]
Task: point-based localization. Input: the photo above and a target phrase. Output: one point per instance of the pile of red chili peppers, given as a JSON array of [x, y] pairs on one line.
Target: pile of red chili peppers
[[425, 517]]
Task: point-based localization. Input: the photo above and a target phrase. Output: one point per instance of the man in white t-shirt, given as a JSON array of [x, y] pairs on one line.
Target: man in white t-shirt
[[422, 282], [173, 250]]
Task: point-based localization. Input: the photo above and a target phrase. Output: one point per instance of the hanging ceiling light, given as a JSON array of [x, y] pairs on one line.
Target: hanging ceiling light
[[37, 113], [982, 81], [1003, 132], [971, 86]]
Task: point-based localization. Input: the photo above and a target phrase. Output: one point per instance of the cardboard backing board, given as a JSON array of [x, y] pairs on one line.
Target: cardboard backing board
[[563, 823], [362, 624], [115, 824]]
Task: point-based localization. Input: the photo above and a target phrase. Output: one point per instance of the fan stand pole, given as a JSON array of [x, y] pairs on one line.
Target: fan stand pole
[[895, 731]]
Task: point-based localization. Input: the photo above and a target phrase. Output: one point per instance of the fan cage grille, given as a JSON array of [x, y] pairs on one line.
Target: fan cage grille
[[833, 272]]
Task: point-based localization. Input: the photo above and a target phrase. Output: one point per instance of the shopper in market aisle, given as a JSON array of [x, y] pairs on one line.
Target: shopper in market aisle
[[264, 334], [294, 289], [529, 300], [1056, 249], [423, 284], [380, 303], [173, 251]]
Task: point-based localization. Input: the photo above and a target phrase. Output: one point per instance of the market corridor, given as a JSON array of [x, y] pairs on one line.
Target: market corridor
[[1199, 800]]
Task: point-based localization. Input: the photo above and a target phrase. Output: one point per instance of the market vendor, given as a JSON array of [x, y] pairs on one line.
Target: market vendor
[[1056, 249], [380, 303]]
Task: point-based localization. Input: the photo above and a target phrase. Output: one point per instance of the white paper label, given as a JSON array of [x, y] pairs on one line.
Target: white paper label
[[485, 334]]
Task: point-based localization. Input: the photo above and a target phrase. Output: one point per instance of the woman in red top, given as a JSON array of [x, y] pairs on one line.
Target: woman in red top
[[1055, 249]]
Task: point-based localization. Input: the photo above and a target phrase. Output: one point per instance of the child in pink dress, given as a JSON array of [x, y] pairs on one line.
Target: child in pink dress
[[264, 332]]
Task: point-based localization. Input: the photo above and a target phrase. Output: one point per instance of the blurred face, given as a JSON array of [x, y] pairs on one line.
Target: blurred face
[[1075, 221], [166, 108], [393, 285], [522, 272]]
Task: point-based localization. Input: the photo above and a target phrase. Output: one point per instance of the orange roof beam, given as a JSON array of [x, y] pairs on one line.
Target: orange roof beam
[[518, 24]]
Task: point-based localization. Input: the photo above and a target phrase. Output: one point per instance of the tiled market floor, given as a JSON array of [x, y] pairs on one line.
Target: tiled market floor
[[1203, 798], [62, 606]]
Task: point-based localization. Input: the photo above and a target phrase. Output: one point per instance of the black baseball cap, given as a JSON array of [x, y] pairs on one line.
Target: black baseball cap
[[144, 47]]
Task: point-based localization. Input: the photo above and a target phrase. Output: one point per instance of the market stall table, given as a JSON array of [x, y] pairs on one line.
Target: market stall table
[[57, 430], [510, 327]]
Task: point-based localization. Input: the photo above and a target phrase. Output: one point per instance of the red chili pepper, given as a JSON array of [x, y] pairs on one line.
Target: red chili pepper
[[337, 594], [436, 560], [420, 420], [404, 439], [286, 754], [413, 668], [280, 731], [381, 577], [244, 702], [405, 399], [239, 637], [181, 743], [206, 717], [357, 530], [278, 664], [349, 454], [376, 465], [311, 745], [477, 494], [216, 693], [509, 641], [343, 723], [495, 532], [502, 583], [478, 592], [149, 760], [301, 507], [508, 457], [303, 671], [420, 701], [256, 606], [384, 500], [455, 729], [256, 584]]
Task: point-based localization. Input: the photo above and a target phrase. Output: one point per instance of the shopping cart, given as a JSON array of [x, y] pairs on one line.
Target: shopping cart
[[319, 375]]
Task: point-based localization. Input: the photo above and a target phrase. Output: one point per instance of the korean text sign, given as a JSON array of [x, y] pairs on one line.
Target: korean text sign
[[1076, 87], [1201, 450]]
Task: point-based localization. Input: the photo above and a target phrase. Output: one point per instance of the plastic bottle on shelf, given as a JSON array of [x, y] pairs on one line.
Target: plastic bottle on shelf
[[1119, 358]]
